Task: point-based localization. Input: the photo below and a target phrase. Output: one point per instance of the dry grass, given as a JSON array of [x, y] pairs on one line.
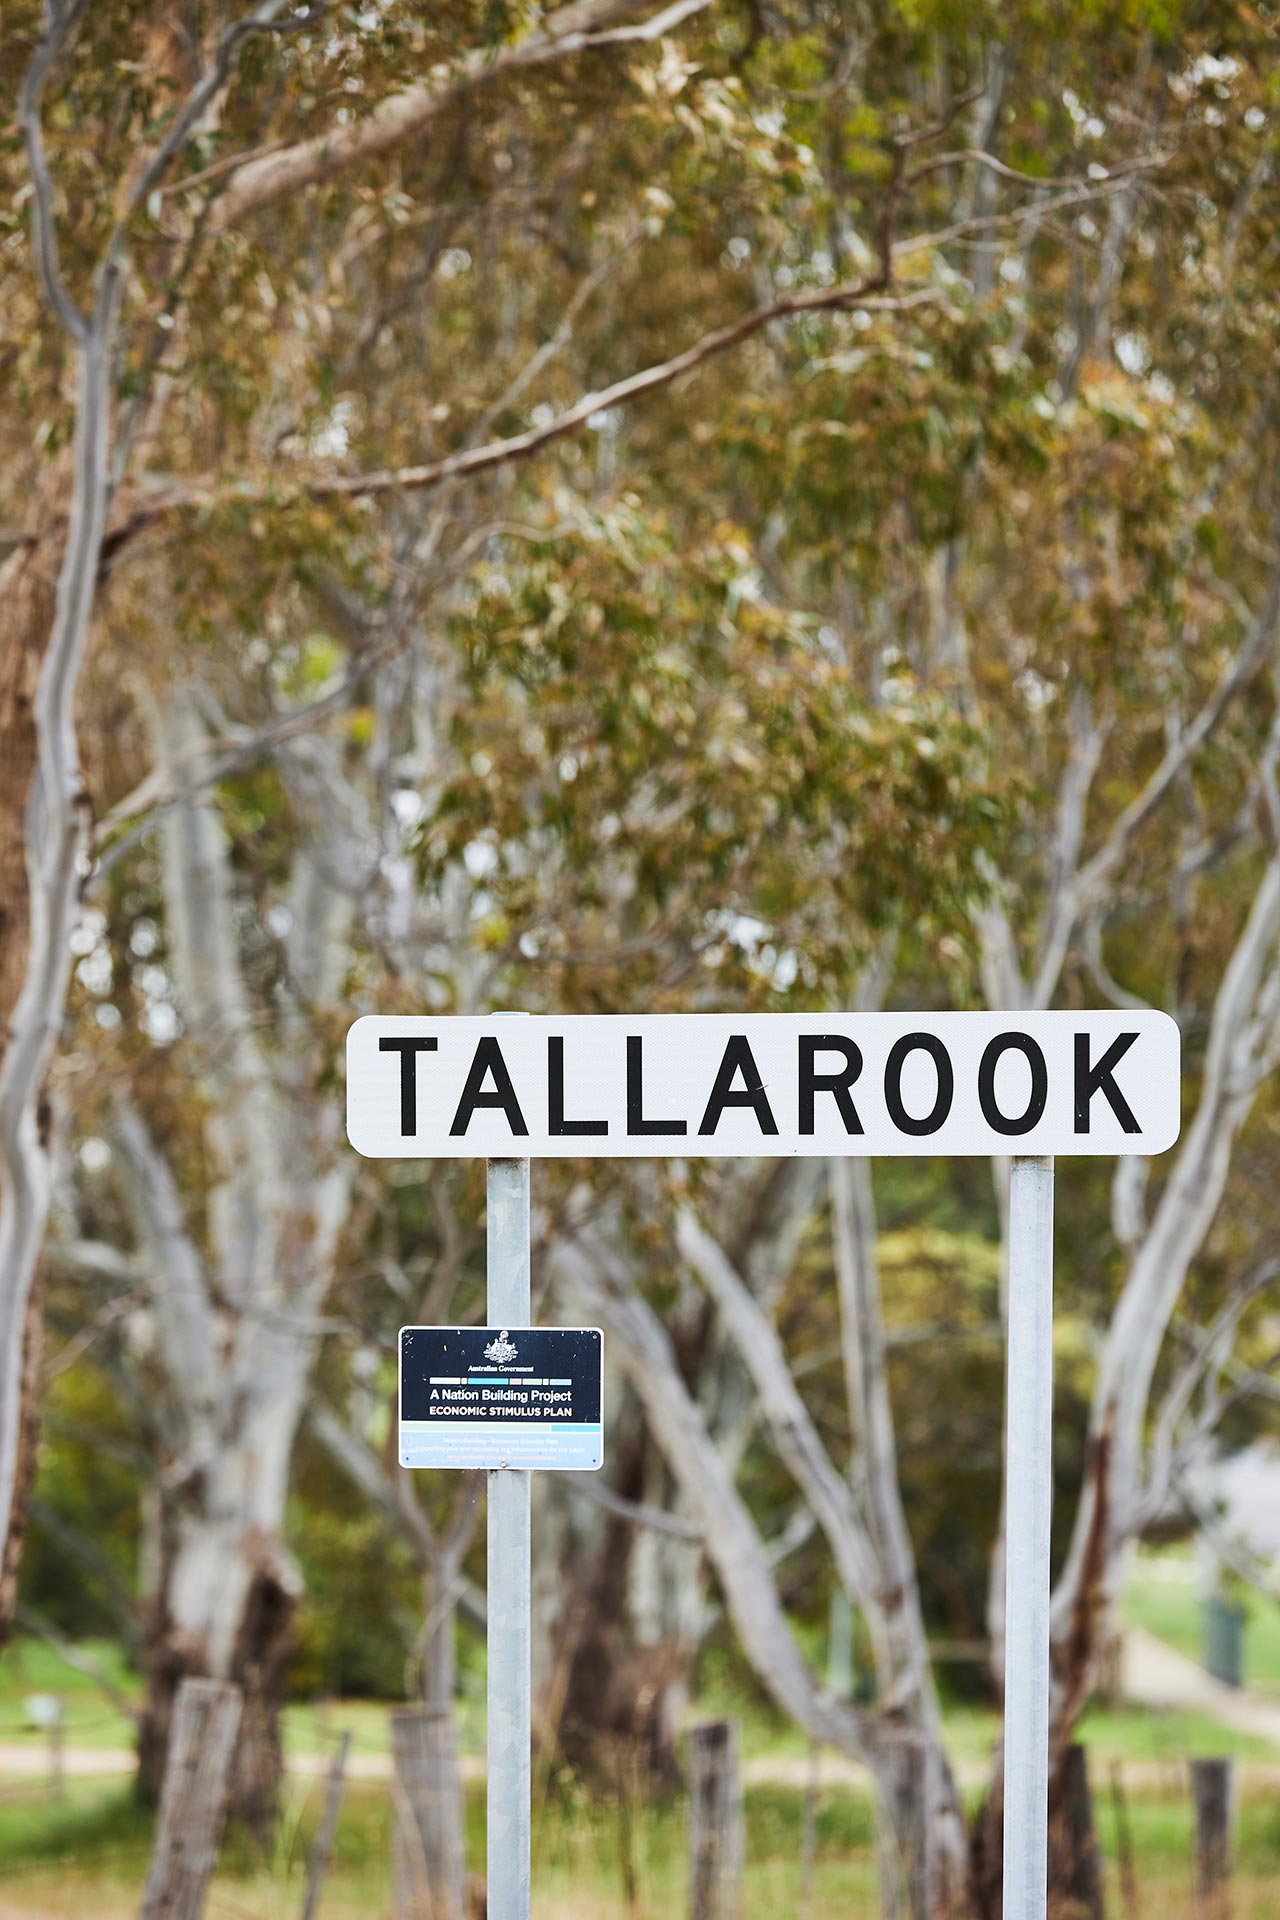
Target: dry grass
[[88, 1858], [65, 1896]]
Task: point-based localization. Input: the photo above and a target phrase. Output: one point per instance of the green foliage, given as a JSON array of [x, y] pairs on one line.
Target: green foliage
[[87, 1477], [649, 751], [360, 1608], [90, 1718]]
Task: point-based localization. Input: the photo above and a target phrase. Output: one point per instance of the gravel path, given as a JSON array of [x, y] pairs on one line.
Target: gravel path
[[1154, 1674]]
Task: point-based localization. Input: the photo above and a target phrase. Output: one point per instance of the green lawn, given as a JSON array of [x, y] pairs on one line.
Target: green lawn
[[30, 1667], [1163, 1595], [1118, 1733]]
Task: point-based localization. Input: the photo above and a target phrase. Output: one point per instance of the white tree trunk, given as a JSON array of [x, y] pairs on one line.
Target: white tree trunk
[[238, 1326], [55, 831]]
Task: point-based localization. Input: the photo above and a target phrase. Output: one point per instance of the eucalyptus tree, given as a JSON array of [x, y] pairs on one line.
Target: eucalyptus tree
[[1055, 512], [615, 758], [144, 157], [1062, 518], [232, 1179], [972, 311], [276, 275]]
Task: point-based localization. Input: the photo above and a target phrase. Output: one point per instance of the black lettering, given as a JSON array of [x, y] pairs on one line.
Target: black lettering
[[838, 1082], [408, 1051], [898, 1055], [1019, 1043], [488, 1060], [636, 1122], [738, 1058], [1101, 1079], [557, 1123]]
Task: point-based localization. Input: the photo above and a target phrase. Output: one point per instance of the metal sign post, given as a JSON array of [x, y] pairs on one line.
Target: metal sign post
[[509, 1571], [1028, 1511]]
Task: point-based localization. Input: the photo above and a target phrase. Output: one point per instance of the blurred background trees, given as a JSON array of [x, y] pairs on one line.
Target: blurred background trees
[[730, 505]]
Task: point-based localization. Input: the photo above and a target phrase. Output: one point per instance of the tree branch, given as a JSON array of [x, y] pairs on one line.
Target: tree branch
[[171, 1263], [633, 1511], [876, 1463], [520, 446], [566, 31], [364, 1468], [1207, 1346], [1087, 740], [1097, 871], [732, 1540], [793, 1431], [59, 26], [263, 19], [244, 1119], [112, 1590], [869, 295], [1182, 1219], [1242, 1561], [182, 775]]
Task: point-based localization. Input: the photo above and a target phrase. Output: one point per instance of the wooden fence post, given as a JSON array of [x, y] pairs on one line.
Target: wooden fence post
[[57, 1769], [716, 1839], [428, 1860], [1075, 1866], [206, 1719], [1124, 1845], [809, 1828], [1211, 1793], [907, 1801], [322, 1847]]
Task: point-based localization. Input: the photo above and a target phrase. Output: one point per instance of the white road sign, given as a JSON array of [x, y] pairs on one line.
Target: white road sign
[[721, 1084]]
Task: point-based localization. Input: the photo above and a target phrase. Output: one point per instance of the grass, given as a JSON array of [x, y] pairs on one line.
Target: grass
[[91, 1721], [1175, 1734], [1164, 1596], [29, 1667], [311, 1726], [1118, 1733], [89, 1855]]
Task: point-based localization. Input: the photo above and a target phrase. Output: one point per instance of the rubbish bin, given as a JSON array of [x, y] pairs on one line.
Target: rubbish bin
[[1224, 1640]]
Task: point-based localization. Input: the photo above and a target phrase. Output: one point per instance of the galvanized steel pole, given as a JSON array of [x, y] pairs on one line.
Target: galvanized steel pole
[[1028, 1507], [509, 1637]]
